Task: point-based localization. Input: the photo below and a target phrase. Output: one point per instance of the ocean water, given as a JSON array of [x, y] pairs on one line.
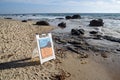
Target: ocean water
[[115, 16], [111, 20]]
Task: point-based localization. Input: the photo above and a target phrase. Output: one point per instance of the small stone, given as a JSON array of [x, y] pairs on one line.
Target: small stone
[[104, 55], [84, 55]]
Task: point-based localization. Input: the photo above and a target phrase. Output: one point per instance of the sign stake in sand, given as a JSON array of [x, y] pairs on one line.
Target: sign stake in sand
[[45, 47]]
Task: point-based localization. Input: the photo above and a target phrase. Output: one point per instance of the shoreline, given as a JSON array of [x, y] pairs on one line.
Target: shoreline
[[18, 43]]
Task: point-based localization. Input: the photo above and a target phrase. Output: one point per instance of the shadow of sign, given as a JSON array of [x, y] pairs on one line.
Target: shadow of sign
[[17, 64]]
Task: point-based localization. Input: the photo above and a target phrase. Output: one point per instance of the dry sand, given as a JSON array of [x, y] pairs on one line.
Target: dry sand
[[17, 42]]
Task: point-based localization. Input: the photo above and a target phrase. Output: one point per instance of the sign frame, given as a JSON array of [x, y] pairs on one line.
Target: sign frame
[[42, 60]]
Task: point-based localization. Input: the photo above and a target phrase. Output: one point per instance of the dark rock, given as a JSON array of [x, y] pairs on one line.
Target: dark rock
[[93, 32], [83, 47], [72, 48], [68, 17], [118, 49], [8, 18], [76, 16], [77, 31], [98, 36], [104, 55], [98, 22], [24, 20], [34, 15], [82, 31], [74, 41], [62, 24], [59, 18], [42, 23], [112, 38]]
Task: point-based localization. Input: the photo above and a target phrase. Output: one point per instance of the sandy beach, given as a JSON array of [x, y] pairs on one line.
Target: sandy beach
[[17, 42]]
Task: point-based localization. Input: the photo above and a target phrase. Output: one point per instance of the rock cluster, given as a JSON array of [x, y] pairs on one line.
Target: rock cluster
[[98, 22], [77, 31], [76, 16], [73, 43]]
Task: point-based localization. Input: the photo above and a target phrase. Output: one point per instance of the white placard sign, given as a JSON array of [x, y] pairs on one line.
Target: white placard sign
[[45, 48]]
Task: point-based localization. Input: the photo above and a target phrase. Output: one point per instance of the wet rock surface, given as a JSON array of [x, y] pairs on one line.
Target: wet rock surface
[[62, 24], [73, 43], [68, 17], [76, 16], [45, 23], [93, 32], [112, 38], [98, 22], [77, 44], [77, 31]]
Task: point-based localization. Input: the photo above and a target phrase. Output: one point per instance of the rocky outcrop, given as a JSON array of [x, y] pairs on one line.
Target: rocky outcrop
[[7, 18], [45, 23], [93, 32], [110, 38], [77, 31], [24, 20], [62, 24], [68, 17], [98, 22], [76, 16]]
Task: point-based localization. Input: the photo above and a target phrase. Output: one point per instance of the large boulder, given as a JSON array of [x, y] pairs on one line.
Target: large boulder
[[42, 23], [98, 22], [62, 24], [24, 20], [68, 17], [77, 31], [76, 16]]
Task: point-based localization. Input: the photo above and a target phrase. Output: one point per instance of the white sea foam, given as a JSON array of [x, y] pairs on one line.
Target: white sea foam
[[111, 21]]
